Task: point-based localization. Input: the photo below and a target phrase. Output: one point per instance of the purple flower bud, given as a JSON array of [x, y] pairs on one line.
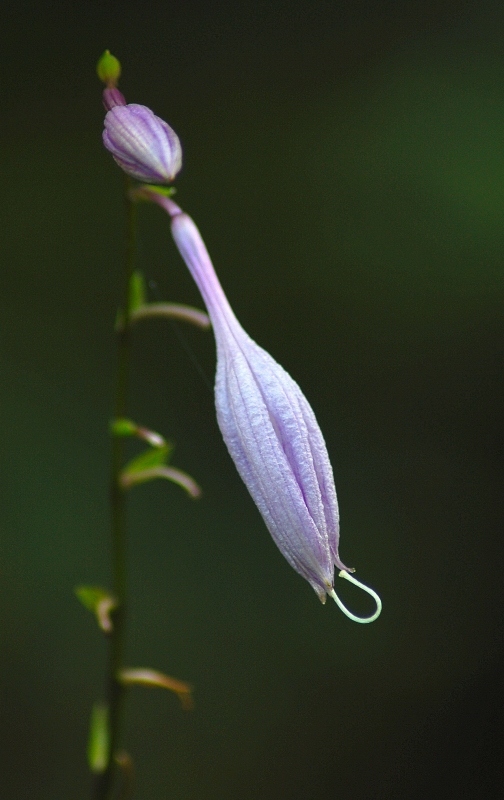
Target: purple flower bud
[[143, 145], [270, 431]]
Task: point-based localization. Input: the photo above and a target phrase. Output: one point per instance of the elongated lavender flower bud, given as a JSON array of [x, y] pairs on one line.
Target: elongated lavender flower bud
[[270, 431], [143, 145]]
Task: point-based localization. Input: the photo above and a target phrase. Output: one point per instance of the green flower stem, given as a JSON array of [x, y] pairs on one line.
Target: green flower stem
[[115, 690]]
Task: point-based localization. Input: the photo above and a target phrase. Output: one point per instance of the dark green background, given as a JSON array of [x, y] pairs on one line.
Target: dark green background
[[345, 164]]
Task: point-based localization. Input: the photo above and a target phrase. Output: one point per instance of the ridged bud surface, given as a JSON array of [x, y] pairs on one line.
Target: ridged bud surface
[[143, 145]]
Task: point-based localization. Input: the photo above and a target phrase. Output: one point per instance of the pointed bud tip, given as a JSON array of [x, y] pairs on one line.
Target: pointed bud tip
[[108, 69]]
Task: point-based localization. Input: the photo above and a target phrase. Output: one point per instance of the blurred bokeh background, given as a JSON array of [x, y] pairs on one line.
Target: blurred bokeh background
[[345, 164]]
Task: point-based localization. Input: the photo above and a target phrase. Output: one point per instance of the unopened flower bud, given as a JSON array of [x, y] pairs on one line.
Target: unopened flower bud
[[108, 69], [143, 145]]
